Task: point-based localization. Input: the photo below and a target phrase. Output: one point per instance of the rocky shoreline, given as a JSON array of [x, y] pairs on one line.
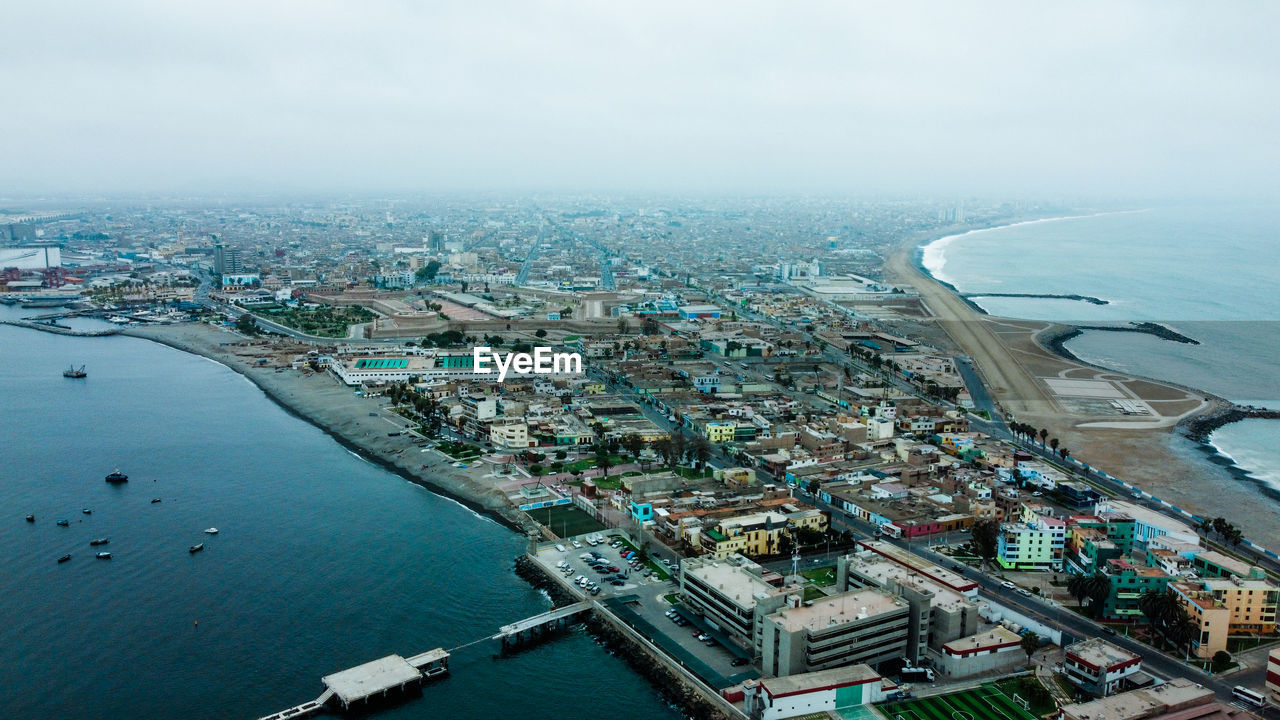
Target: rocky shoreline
[[1044, 296], [1201, 427]]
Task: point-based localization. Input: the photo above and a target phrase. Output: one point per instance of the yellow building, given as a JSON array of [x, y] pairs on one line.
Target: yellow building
[[759, 533], [1227, 606], [594, 388], [720, 432]]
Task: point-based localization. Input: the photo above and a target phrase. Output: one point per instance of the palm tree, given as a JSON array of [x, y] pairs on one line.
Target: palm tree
[[1053, 444], [1159, 608], [1182, 628], [1030, 643], [1098, 587], [1077, 586], [1064, 453], [1043, 434]]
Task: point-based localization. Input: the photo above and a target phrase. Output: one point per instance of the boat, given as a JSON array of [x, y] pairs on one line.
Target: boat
[[197, 548], [211, 531], [103, 556], [155, 500], [100, 541], [117, 477], [64, 558], [73, 372], [64, 523], [31, 518], [87, 511]]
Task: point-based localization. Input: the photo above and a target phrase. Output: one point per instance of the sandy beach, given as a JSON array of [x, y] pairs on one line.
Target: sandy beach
[[359, 424], [1032, 383]]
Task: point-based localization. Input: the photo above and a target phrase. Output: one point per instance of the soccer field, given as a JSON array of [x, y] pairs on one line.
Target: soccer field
[[980, 703], [566, 520]]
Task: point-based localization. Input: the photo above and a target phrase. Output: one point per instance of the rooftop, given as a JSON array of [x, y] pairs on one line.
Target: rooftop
[[730, 580], [1177, 694], [822, 679], [1100, 654], [838, 609]]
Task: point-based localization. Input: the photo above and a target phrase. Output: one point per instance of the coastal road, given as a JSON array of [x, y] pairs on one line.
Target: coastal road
[[1009, 381]]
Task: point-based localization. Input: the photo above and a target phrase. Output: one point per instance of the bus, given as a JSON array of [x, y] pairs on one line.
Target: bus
[[1252, 697], [890, 530]]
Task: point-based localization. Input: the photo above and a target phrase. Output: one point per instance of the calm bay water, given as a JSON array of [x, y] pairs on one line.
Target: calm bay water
[[323, 560], [1207, 272]]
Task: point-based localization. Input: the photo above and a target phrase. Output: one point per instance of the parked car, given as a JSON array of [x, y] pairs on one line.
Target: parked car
[[1007, 585], [739, 662]]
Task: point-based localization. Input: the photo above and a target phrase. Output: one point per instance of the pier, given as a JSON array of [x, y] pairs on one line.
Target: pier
[[534, 627], [362, 685]]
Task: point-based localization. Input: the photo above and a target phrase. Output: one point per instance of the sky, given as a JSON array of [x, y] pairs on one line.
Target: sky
[[979, 98]]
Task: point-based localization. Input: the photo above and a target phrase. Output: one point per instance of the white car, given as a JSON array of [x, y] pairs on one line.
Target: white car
[[577, 544], [1007, 585]]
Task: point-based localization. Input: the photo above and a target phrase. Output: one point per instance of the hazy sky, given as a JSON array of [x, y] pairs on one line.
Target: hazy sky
[[840, 97]]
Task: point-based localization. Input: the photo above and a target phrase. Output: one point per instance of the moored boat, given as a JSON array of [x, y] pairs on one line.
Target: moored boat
[[87, 511], [211, 531], [197, 548], [31, 518], [103, 556], [64, 523], [100, 541], [74, 372], [117, 477], [155, 500], [64, 558]]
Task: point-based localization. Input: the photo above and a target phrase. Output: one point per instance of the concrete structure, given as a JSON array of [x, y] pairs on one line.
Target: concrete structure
[[731, 595], [1225, 606], [861, 626], [1032, 544], [759, 533], [922, 567], [816, 692], [376, 679], [1098, 667], [1147, 524], [510, 433], [1272, 686], [1174, 696], [988, 651]]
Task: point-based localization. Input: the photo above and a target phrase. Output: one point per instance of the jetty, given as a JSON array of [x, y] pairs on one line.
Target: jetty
[[363, 685], [534, 627]]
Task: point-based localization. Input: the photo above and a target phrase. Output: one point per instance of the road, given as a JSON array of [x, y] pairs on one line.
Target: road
[[1008, 380]]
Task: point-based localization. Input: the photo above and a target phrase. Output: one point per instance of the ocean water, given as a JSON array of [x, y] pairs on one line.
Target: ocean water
[[1208, 272], [322, 561]]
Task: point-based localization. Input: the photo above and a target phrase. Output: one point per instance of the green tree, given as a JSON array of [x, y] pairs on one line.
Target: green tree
[[246, 324], [1030, 643], [540, 333], [428, 272], [986, 539]]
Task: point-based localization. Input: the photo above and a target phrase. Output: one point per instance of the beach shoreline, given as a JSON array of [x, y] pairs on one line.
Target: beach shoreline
[[333, 409]]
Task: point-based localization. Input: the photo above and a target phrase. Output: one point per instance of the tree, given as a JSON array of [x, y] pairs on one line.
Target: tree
[[986, 534], [428, 271], [700, 448], [1043, 434], [1064, 453], [1030, 643], [623, 326], [634, 445], [1053, 444], [1159, 608], [813, 487], [1183, 630], [540, 333], [246, 324], [603, 460]]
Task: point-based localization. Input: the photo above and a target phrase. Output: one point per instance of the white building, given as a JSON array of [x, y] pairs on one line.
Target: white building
[[1098, 667], [812, 693]]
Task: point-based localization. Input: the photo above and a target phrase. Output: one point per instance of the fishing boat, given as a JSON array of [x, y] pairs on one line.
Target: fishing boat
[[31, 518], [211, 531], [117, 477], [64, 558], [100, 541], [87, 511], [64, 523], [197, 548], [103, 556], [74, 372], [155, 500]]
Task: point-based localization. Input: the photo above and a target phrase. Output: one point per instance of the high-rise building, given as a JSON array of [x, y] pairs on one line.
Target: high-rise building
[[226, 260]]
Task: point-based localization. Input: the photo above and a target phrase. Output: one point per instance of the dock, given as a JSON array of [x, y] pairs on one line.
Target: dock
[[357, 687], [533, 627]]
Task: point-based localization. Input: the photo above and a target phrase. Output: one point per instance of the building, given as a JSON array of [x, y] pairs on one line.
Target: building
[[510, 433], [1130, 578], [1225, 606], [1098, 667], [226, 260], [1032, 544], [1272, 687], [1175, 696], [861, 626], [732, 596], [476, 411], [816, 692], [762, 533], [988, 651]]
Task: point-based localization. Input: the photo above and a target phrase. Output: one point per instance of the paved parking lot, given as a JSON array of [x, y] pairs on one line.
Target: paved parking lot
[[641, 602]]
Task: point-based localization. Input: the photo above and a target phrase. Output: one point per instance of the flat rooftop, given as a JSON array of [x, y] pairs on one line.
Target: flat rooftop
[[882, 571], [804, 682], [992, 639], [732, 581], [1100, 654], [838, 609], [918, 564], [370, 678], [1177, 694]]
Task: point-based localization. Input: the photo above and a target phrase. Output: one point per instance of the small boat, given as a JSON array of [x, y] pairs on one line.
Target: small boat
[[117, 477], [155, 500], [100, 541], [211, 531], [197, 548], [103, 556], [31, 518], [64, 523], [87, 511], [73, 372], [64, 558]]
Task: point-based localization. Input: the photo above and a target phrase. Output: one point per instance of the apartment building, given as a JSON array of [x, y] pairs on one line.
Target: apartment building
[[861, 626], [1098, 667], [732, 595]]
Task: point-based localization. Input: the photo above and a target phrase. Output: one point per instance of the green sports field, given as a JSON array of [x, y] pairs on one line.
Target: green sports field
[[981, 703]]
